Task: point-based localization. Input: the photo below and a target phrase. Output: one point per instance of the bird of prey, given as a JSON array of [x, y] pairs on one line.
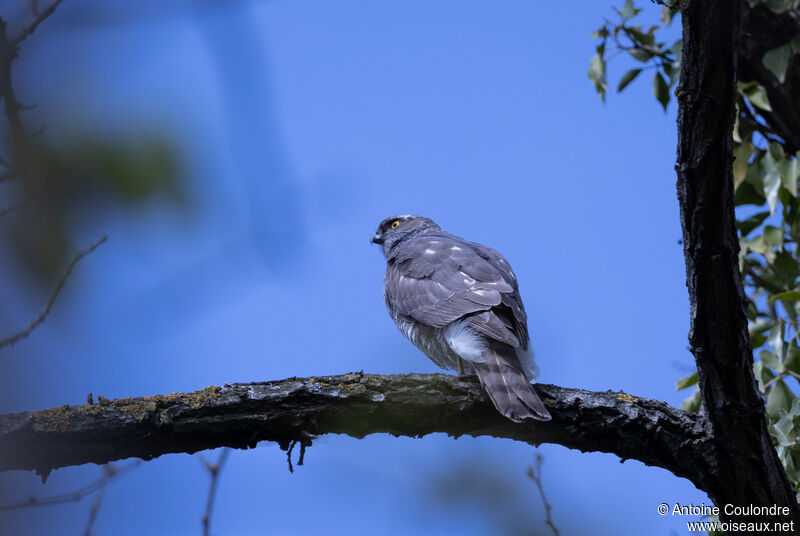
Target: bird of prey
[[459, 303]]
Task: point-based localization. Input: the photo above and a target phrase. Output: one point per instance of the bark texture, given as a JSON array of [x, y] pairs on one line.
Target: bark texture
[[297, 409], [746, 469]]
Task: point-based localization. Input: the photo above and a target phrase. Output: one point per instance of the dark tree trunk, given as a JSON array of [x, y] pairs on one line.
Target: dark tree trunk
[[747, 469]]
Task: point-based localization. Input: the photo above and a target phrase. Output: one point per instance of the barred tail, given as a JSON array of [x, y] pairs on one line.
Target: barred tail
[[511, 393]]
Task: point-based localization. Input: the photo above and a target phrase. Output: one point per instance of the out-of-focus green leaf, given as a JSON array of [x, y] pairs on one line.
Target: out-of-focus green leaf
[[785, 269], [782, 430], [770, 360], [771, 180], [789, 169], [692, 402], [600, 33], [756, 94], [627, 78], [756, 244], [763, 375], [639, 37], [661, 90], [640, 54], [792, 360], [747, 226], [677, 49], [789, 295], [742, 156], [667, 15], [780, 397], [776, 61], [685, 382], [628, 10], [747, 194], [597, 74], [773, 236]]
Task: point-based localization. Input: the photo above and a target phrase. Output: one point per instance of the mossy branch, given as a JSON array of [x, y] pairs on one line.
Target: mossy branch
[[298, 409]]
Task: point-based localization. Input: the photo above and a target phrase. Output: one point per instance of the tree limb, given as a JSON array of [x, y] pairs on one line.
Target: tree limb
[[39, 17], [747, 469], [11, 339], [296, 409]]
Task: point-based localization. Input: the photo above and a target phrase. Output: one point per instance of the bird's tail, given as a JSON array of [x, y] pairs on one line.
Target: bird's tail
[[511, 393]]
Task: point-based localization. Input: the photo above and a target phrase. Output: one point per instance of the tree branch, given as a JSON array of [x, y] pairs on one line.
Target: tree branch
[[747, 469], [213, 472], [39, 17], [11, 339], [241, 415]]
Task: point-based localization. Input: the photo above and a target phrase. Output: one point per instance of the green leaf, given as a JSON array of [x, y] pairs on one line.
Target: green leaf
[[776, 61], [773, 236], [763, 375], [780, 398], [688, 381], [692, 403], [792, 361], [661, 90], [789, 169], [782, 430], [747, 226], [775, 340], [667, 15], [628, 10], [771, 180], [597, 74], [742, 156], [770, 360], [756, 94], [601, 33], [640, 54], [627, 78], [789, 295], [785, 269]]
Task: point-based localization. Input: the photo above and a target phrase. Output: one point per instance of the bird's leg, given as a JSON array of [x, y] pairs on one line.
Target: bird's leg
[[460, 366]]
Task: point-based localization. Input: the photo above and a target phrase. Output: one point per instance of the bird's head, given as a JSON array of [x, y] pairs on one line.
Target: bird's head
[[393, 230]]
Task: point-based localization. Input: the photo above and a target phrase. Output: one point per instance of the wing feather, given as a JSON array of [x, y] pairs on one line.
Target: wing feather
[[439, 279]]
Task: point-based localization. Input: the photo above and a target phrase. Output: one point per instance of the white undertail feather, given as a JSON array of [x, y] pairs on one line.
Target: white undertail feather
[[465, 342], [505, 372], [529, 366]]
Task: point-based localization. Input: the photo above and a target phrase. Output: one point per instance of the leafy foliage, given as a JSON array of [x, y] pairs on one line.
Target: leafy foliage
[[765, 171], [643, 47]]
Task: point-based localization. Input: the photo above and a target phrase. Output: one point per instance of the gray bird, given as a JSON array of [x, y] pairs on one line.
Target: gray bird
[[459, 303]]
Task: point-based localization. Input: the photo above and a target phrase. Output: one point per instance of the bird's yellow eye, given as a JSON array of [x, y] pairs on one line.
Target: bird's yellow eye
[[395, 224]]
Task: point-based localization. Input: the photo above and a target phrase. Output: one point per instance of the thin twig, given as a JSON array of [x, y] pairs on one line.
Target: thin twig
[[11, 339], [536, 476], [31, 27], [213, 470], [110, 472]]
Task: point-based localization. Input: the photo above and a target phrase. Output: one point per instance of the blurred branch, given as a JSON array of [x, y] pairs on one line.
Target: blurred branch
[[242, 415], [213, 470], [536, 476], [11, 339], [8, 51], [39, 17], [110, 472]]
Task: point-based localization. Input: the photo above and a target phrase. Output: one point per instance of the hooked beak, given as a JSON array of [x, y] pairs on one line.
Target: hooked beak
[[377, 238]]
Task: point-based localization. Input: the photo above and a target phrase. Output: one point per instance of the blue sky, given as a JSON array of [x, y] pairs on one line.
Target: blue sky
[[300, 126]]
